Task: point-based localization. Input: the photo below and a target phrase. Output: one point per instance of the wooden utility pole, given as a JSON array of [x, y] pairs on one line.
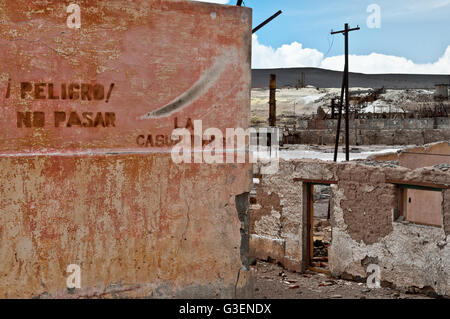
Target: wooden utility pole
[[338, 130], [346, 85], [272, 101]]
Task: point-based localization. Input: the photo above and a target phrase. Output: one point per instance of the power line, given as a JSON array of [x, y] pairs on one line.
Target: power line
[[330, 45]]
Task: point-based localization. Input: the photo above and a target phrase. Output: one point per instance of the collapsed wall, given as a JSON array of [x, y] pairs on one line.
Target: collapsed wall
[[278, 219], [368, 226], [371, 131], [366, 229], [87, 177]]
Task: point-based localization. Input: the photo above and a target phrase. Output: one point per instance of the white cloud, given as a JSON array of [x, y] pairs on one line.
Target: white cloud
[[287, 55], [380, 63], [294, 55]]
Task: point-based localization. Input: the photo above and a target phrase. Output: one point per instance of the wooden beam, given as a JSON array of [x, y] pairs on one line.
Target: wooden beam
[[310, 224], [310, 230], [419, 185], [320, 270], [315, 181]]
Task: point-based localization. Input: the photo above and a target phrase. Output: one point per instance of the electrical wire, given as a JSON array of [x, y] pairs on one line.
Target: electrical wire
[[330, 45]]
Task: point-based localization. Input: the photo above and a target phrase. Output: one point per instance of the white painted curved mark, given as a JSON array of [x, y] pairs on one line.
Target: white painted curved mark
[[206, 81]]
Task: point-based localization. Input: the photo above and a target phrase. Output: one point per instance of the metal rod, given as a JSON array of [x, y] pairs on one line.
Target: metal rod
[[267, 21]]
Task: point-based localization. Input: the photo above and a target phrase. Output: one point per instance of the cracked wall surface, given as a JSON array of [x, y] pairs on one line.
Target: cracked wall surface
[[364, 206], [133, 232], [446, 209], [86, 172], [276, 220]]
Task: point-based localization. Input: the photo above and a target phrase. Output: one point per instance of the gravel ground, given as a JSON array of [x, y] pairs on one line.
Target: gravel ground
[[273, 282]]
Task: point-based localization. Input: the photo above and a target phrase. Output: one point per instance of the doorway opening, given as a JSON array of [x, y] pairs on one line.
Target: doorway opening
[[318, 226]]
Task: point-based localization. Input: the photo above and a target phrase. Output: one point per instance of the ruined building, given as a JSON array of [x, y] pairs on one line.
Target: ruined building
[[392, 211]]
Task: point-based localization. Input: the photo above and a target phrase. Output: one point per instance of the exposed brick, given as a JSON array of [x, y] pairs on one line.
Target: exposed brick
[[377, 177], [368, 214]]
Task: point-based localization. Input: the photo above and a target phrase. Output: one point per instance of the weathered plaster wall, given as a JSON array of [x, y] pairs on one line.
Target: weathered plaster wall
[[423, 207], [409, 255], [364, 229], [446, 209], [417, 157], [133, 232], [107, 195], [276, 220]]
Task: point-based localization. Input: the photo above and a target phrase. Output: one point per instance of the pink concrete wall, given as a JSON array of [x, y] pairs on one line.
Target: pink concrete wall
[[429, 155], [88, 180], [425, 207], [153, 52], [416, 160]]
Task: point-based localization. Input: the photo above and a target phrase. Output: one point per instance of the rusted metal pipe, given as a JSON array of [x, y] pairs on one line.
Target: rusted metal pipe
[[267, 21], [272, 101]]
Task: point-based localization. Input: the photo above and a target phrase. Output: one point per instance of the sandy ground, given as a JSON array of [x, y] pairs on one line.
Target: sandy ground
[[273, 282], [293, 104], [326, 152]]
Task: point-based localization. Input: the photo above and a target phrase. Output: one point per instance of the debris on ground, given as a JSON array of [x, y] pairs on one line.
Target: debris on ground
[[273, 282]]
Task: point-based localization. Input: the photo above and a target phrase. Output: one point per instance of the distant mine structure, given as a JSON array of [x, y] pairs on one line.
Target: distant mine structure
[[441, 93], [376, 116], [425, 108]]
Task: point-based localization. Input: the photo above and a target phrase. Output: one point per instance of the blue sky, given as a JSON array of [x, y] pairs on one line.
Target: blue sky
[[414, 29], [417, 31]]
